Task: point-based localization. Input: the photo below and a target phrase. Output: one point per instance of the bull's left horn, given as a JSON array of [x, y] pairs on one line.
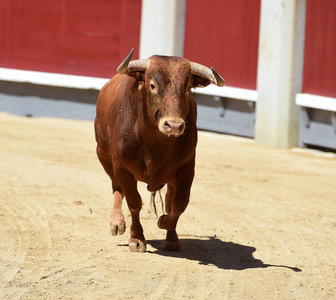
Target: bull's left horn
[[205, 72], [128, 66]]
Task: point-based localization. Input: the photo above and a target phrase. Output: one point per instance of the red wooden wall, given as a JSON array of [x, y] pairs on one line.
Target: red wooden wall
[[81, 37], [319, 76], [224, 34]]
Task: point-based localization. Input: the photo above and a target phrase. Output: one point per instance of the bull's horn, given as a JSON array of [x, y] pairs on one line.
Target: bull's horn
[[128, 66], [205, 72]]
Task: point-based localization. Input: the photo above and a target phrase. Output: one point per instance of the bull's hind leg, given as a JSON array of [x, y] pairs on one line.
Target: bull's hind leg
[[177, 200], [118, 224], [169, 197], [172, 242]]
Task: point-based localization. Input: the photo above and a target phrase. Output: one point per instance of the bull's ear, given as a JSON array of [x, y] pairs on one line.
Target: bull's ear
[[198, 81], [139, 76], [139, 82], [137, 86]]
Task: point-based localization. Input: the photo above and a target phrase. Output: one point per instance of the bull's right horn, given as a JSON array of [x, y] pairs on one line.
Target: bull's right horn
[[127, 66]]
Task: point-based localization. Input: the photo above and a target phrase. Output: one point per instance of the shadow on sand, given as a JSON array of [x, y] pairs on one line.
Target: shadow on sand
[[213, 251]]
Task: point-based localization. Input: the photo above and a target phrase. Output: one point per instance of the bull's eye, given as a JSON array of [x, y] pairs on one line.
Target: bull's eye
[[152, 86]]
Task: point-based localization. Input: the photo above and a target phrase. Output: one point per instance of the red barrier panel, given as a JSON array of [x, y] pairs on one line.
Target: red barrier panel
[[81, 37], [319, 76], [224, 34]]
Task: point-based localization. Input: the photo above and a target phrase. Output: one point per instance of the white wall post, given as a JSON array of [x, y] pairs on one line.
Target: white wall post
[[162, 27], [280, 68]]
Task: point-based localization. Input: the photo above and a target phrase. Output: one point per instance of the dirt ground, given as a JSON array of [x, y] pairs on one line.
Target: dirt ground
[[261, 223]]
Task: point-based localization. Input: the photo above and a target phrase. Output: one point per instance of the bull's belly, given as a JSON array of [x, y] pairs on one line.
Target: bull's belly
[[155, 174], [154, 183]]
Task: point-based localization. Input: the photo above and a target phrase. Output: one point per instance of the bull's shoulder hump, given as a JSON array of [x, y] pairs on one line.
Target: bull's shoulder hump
[[118, 81]]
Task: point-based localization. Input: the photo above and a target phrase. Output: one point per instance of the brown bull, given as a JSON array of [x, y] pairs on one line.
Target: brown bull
[[146, 131]]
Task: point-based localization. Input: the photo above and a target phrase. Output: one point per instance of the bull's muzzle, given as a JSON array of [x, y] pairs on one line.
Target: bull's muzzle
[[172, 126]]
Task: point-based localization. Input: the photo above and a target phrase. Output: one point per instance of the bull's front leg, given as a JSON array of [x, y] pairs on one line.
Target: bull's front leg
[[117, 224], [137, 242], [177, 199]]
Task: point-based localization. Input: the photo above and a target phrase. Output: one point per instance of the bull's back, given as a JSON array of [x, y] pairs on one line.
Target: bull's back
[[111, 94], [109, 102]]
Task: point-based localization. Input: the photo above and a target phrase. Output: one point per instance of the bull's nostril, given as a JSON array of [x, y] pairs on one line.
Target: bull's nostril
[[172, 126], [167, 125], [181, 127]]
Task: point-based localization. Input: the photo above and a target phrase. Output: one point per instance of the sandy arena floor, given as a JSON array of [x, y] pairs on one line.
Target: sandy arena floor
[[261, 223]]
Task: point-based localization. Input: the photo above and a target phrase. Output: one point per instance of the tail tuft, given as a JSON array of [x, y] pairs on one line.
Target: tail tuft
[[153, 202]]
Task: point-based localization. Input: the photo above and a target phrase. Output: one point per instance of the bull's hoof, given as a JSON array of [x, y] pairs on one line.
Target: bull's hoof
[[118, 224], [172, 242], [118, 228], [172, 246], [136, 245]]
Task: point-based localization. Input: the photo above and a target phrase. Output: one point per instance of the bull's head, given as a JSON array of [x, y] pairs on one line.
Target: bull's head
[[167, 83]]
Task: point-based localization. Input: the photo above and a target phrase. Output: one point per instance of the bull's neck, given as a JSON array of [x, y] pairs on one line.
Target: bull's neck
[[152, 138]]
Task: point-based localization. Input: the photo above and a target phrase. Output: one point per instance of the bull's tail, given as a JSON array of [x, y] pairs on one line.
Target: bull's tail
[[153, 202]]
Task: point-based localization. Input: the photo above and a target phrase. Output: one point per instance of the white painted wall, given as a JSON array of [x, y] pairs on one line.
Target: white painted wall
[[280, 68], [162, 27]]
